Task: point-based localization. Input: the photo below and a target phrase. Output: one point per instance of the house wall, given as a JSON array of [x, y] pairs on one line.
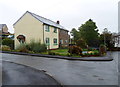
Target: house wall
[[117, 41], [119, 17], [63, 35], [31, 28], [51, 35], [5, 29]]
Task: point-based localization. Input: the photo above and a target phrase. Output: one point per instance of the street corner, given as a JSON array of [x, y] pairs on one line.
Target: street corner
[[16, 74]]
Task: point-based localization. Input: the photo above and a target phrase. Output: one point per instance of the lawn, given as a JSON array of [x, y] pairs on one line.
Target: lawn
[[60, 51], [64, 52]]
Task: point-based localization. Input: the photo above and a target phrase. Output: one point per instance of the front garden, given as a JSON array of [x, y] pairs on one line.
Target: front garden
[[64, 52], [38, 48]]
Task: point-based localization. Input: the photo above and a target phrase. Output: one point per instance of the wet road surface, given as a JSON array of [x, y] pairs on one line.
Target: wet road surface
[[73, 72], [14, 74], [0, 70], [119, 68]]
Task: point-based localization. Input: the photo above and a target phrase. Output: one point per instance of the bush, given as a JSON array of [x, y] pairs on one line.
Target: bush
[[32, 47], [68, 54], [75, 50], [81, 43], [89, 49], [5, 48], [22, 48], [36, 47], [8, 42], [102, 49]]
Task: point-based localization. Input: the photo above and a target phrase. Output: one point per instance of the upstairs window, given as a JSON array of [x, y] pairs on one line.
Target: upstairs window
[[47, 28], [55, 30]]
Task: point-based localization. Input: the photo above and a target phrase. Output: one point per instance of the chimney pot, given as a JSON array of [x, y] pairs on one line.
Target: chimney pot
[[58, 22]]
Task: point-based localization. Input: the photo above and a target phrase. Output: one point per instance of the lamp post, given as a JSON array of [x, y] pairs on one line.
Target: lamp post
[[105, 30], [104, 36]]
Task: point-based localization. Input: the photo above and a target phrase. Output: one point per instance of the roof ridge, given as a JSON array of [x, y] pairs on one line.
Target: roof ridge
[[42, 17], [43, 20]]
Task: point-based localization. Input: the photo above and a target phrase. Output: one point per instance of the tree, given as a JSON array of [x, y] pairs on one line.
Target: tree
[[106, 38], [81, 43], [75, 34], [89, 33]]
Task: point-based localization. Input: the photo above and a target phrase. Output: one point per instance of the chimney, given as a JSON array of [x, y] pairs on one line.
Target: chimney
[[58, 22]]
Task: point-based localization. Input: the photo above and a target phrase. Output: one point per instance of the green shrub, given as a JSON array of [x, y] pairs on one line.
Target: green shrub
[[86, 54], [8, 42], [5, 48], [91, 53], [89, 49], [36, 47], [96, 53], [22, 48], [102, 49], [68, 54], [32, 47], [75, 50], [81, 43]]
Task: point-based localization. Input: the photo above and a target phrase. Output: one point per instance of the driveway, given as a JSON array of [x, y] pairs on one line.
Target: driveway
[[72, 72]]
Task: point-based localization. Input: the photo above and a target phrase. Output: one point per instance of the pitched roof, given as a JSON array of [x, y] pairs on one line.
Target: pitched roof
[[2, 25], [44, 20]]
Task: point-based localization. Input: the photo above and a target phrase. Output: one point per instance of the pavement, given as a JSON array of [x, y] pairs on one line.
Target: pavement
[[68, 72], [108, 57], [16, 74]]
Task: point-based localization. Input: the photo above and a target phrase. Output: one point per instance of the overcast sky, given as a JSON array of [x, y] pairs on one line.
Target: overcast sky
[[70, 13]]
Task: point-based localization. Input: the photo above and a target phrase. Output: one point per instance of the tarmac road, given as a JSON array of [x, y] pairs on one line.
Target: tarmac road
[[0, 70], [15, 74], [69, 72]]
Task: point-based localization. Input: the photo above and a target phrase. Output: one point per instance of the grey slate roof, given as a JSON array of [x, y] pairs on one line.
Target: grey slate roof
[[1, 26], [44, 20]]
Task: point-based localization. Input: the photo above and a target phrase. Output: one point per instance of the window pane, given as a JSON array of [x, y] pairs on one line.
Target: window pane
[[55, 41], [61, 41], [65, 41], [47, 40], [55, 30], [47, 28]]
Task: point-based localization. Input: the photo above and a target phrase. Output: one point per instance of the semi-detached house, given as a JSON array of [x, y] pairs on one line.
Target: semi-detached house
[[34, 27]]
